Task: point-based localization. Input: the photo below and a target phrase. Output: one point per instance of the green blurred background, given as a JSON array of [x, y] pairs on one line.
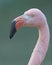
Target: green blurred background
[[17, 51]]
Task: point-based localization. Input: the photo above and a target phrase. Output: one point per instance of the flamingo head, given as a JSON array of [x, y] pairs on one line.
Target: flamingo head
[[31, 17]]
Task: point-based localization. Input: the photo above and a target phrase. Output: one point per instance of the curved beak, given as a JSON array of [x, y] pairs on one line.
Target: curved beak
[[16, 24], [13, 29]]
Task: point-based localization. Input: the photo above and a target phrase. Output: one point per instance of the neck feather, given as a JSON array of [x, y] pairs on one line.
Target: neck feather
[[39, 52], [44, 36]]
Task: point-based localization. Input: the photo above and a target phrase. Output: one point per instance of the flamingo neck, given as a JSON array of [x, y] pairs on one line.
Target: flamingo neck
[[44, 35], [39, 52]]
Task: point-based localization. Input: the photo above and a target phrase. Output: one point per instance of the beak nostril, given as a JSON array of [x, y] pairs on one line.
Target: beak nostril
[[18, 20]]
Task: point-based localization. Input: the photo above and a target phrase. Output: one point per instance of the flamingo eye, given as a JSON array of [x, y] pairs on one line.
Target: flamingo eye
[[33, 15]]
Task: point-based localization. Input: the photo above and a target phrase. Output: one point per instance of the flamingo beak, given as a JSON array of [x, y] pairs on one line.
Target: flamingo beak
[[15, 25], [13, 29]]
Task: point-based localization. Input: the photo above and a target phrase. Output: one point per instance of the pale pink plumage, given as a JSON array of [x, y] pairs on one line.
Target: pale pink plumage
[[35, 18]]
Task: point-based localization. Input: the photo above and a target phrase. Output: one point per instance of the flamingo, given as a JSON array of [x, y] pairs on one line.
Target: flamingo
[[34, 18]]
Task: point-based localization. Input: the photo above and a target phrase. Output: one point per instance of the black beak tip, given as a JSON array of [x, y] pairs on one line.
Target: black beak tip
[[13, 29], [10, 37]]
